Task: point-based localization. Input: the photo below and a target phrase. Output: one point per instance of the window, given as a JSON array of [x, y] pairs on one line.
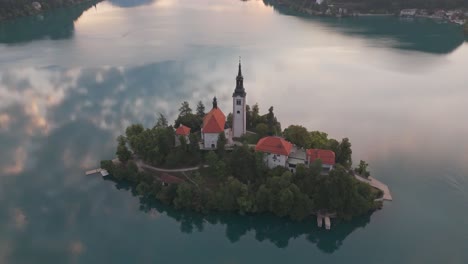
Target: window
[[238, 102]]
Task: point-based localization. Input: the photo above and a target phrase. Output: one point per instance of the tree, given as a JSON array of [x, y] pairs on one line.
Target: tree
[[162, 121], [221, 144], [229, 120], [262, 130], [211, 161], [200, 109], [248, 118], [362, 169], [107, 165], [271, 121], [134, 130], [185, 195], [242, 163], [122, 151], [183, 142], [298, 135], [344, 153], [318, 140], [255, 115], [142, 188], [185, 109]]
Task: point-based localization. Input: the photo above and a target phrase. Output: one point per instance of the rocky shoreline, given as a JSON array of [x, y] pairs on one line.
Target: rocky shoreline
[[11, 9]]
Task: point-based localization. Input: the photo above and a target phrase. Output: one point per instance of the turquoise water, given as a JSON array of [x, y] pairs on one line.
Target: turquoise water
[[72, 80]]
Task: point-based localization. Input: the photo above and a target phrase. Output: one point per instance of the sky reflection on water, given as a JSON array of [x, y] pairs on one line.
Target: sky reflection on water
[[64, 100]]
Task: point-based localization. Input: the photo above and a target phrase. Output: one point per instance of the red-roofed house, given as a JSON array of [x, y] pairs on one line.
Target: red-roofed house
[[182, 131], [327, 157], [280, 152], [276, 151], [213, 125]]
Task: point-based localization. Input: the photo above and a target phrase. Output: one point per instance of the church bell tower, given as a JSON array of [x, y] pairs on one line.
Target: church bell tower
[[239, 106]]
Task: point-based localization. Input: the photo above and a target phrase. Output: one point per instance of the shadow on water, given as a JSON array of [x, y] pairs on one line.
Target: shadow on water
[[278, 231], [57, 24], [131, 3], [423, 35]]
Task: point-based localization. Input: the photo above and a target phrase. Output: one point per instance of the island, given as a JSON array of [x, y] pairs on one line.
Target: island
[[244, 163]]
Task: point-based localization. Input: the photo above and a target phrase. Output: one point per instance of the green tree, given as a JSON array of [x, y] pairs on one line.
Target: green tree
[[134, 130], [183, 142], [122, 151], [344, 153], [162, 121], [298, 135], [362, 169], [185, 195], [270, 117], [221, 144], [248, 118], [212, 161], [142, 188], [107, 165], [200, 109], [318, 140], [185, 109], [242, 163], [255, 115], [261, 129]]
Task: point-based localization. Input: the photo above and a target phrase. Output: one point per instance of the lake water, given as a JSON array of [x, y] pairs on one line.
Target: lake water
[[72, 80]]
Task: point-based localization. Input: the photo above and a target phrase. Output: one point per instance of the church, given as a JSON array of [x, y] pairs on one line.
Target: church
[[214, 121]]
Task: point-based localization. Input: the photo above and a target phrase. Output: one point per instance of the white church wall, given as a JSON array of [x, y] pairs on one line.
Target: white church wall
[[210, 140]]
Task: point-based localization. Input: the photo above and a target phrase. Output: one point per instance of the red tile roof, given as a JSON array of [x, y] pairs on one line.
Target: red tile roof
[[326, 156], [214, 121], [183, 130], [275, 145], [167, 178]]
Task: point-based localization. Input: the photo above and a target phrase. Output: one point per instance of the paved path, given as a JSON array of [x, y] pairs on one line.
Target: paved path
[[140, 164], [377, 184]]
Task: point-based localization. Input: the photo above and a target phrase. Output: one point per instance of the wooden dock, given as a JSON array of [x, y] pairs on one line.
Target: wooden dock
[[90, 172], [102, 171], [325, 218], [319, 220], [327, 223]]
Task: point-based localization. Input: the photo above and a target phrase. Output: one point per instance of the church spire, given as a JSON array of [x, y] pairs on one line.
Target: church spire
[[240, 90], [215, 102]]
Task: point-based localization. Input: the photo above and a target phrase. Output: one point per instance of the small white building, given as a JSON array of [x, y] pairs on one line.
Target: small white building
[[276, 151], [408, 12], [182, 131], [280, 152]]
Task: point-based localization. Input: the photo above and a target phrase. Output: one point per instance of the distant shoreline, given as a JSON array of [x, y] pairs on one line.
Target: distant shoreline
[[457, 16], [10, 11]]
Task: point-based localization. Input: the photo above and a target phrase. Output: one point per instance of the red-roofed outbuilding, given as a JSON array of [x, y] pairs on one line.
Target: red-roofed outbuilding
[[182, 130], [326, 156], [167, 179], [274, 145]]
